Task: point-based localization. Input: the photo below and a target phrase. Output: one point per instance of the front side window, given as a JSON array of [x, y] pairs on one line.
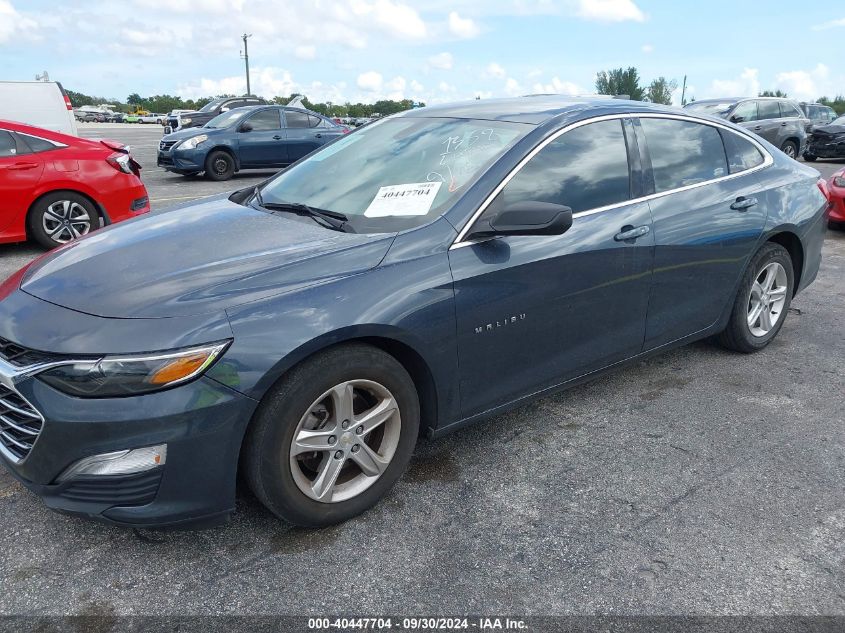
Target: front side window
[[683, 153], [398, 173], [744, 112], [742, 153], [768, 110], [585, 168], [265, 120]]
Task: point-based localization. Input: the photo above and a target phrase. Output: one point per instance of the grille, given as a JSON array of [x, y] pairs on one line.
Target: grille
[[165, 146], [20, 424], [20, 356]]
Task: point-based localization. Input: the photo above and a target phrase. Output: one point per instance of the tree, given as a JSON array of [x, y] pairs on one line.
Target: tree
[[620, 81], [660, 91], [776, 93]]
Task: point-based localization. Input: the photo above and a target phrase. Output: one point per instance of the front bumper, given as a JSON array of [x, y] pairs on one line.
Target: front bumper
[[837, 208], [827, 149], [182, 161], [202, 423]]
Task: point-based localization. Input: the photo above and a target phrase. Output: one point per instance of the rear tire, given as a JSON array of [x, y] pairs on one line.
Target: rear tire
[[219, 165], [768, 285], [810, 158], [790, 149], [61, 217], [325, 403]]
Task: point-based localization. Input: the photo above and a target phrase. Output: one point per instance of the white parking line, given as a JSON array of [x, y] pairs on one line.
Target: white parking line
[[179, 198]]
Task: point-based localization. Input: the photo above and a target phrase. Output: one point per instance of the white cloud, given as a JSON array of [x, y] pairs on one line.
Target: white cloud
[[398, 19], [832, 24], [462, 27], [443, 61], [416, 87], [12, 23], [495, 70], [806, 85], [305, 51], [557, 87], [186, 6], [370, 81], [746, 85], [269, 82], [610, 10], [513, 87], [647, 48]]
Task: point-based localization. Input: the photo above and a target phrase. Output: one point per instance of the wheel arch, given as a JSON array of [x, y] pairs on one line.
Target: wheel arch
[[792, 243], [223, 148]]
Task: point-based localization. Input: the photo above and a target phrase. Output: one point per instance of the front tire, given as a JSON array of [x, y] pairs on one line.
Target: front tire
[[762, 300], [790, 149], [219, 165], [61, 217], [333, 436]]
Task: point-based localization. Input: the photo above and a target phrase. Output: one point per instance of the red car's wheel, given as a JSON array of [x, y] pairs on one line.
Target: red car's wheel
[[61, 217]]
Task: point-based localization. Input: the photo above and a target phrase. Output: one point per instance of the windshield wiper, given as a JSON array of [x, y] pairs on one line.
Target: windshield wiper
[[331, 219]]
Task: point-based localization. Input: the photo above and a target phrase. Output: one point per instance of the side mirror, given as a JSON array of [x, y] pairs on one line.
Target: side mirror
[[527, 218], [246, 127], [737, 119]]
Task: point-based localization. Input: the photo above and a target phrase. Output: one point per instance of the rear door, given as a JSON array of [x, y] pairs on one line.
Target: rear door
[[708, 216], [20, 171], [769, 120], [305, 133], [264, 144]]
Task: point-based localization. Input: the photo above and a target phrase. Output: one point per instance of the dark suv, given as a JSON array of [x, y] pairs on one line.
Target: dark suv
[[207, 112], [817, 114], [779, 121]]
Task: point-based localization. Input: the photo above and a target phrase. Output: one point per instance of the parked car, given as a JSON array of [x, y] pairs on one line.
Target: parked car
[[114, 117], [131, 118], [56, 187], [428, 271], [827, 141], [251, 137], [817, 114], [779, 121], [836, 184], [207, 112], [152, 117], [40, 103], [85, 116]]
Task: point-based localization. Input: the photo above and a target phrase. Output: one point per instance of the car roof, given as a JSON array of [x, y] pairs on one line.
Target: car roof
[[50, 135], [534, 109], [267, 106]]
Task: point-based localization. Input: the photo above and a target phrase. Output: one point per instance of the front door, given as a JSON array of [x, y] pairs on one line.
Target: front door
[[535, 311], [261, 140]]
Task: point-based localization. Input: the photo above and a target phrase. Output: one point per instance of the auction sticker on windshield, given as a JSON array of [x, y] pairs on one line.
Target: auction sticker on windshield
[[411, 199]]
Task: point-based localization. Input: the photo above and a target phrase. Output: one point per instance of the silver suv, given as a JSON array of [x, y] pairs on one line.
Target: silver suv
[[779, 121]]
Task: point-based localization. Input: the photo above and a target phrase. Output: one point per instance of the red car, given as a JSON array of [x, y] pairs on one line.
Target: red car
[[836, 185], [55, 187]]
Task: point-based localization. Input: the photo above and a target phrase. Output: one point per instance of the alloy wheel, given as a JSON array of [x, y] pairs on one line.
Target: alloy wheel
[[345, 441], [66, 220], [767, 299], [789, 150]]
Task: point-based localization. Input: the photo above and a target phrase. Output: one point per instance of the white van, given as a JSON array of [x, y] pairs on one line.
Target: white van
[[39, 103]]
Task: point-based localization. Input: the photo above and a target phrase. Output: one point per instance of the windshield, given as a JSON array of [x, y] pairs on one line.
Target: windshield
[[227, 118], [397, 173], [713, 108], [839, 121], [211, 105]]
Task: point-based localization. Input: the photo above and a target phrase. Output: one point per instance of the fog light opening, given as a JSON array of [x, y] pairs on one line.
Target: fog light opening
[[126, 462]]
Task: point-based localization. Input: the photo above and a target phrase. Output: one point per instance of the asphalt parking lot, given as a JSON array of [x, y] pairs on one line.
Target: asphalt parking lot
[[697, 482]]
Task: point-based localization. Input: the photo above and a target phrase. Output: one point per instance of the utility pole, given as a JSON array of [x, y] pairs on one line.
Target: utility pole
[[246, 61], [684, 92]]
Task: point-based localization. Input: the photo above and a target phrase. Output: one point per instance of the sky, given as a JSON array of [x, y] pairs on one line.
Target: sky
[[427, 50]]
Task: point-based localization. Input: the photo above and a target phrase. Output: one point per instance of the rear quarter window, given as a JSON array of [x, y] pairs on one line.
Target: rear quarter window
[[742, 153]]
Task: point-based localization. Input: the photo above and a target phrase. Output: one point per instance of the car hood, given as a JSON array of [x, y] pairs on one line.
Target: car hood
[[197, 260], [829, 130]]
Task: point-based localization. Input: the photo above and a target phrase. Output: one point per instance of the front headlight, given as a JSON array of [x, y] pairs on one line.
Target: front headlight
[[131, 375], [191, 143], [839, 181], [186, 120]]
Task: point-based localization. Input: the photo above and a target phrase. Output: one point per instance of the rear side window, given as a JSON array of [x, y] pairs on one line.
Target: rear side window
[[742, 153], [265, 120], [787, 109], [584, 169], [8, 146], [683, 153], [296, 119], [768, 110], [36, 144], [314, 121]]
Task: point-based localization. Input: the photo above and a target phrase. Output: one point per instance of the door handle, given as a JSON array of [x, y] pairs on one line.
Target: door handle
[[277, 138], [21, 166], [318, 135], [758, 128], [783, 124], [743, 204], [631, 233]]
